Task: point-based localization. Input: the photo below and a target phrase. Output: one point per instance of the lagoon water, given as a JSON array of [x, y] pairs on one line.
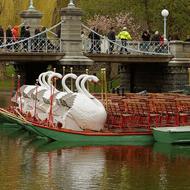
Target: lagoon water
[[31, 163]]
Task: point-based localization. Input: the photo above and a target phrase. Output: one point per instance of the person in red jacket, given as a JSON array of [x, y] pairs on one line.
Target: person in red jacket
[[15, 32]]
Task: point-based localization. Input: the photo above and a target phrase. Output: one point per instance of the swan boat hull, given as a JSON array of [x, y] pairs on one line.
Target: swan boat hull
[[171, 135], [105, 138], [89, 137]]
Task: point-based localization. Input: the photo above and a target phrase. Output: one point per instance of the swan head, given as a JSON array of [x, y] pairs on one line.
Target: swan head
[[93, 78], [72, 75], [52, 75], [44, 78]]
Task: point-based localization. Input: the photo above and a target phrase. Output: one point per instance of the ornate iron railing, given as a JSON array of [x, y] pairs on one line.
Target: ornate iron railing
[[31, 45], [130, 47], [53, 45], [36, 43]]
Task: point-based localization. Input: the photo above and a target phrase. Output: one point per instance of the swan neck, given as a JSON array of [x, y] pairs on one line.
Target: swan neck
[[85, 91], [65, 87], [77, 83], [40, 79]]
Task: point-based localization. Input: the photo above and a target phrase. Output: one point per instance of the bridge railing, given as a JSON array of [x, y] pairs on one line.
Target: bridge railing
[[53, 45], [128, 47], [104, 45], [31, 45]]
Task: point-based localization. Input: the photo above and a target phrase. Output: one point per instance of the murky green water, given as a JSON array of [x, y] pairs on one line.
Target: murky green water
[[30, 163]]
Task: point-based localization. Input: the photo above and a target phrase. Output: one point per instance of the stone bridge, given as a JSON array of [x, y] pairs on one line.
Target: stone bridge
[[156, 68]]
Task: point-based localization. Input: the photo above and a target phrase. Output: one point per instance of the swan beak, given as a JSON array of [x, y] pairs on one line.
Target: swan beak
[[96, 82]]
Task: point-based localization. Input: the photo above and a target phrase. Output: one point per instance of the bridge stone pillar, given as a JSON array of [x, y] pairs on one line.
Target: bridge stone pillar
[[31, 17], [176, 72], [175, 76], [71, 37]]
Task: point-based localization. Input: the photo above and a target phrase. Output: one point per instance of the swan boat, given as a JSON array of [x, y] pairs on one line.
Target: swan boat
[[104, 137], [84, 120]]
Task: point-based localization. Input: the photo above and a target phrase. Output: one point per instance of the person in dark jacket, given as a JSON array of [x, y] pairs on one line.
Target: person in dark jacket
[[156, 37], [37, 42], [145, 36], [27, 42], [111, 37], [1, 35], [9, 36], [22, 32], [146, 40], [156, 41]]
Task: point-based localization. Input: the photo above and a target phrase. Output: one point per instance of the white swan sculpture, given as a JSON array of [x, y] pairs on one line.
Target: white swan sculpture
[[66, 101], [37, 92], [28, 101], [25, 94], [44, 105], [86, 112], [60, 109]]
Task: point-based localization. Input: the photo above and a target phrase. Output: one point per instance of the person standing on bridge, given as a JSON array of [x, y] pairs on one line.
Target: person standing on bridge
[[9, 36], [124, 36], [1, 35], [111, 37], [22, 35], [27, 35], [43, 37], [155, 41], [146, 40], [15, 32], [37, 42]]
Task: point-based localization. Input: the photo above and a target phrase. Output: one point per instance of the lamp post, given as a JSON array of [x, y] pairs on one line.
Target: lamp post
[[165, 13]]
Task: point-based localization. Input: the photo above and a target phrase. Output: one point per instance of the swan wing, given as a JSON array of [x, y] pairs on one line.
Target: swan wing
[[28, 91], [68, 100]]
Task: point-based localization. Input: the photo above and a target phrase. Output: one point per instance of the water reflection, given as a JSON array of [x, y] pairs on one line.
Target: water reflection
[[172, 151], [30, 163]]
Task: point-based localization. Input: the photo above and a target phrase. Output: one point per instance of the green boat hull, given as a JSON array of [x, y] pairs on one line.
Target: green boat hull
[[172, 137], [67, 137]]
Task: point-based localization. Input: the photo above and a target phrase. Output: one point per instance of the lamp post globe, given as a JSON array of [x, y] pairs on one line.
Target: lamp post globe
[[165, 13]]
